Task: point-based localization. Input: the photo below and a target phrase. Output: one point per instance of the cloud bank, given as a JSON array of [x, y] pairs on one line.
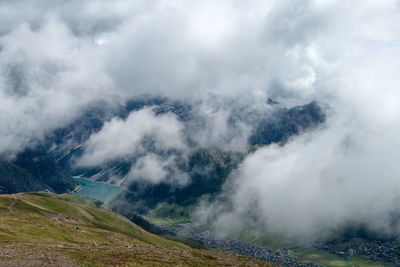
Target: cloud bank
[[58, 56], [346, 173], [315, 186]]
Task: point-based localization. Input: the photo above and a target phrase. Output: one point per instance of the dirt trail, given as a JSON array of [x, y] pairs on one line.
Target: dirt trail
[[35, 205], [13, 201]]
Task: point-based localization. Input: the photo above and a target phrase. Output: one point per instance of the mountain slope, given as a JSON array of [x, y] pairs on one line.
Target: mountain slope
[[32, 171], [46, 169], [52, 161], [63, 230], [15, 179]]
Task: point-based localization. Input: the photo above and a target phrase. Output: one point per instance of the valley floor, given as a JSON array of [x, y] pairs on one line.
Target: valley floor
[[356, 252]]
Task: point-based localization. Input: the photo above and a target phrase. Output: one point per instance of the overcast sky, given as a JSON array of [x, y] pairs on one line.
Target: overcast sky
[[58, 57]]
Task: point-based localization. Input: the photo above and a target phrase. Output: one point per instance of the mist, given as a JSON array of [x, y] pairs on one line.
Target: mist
[[343, 174]]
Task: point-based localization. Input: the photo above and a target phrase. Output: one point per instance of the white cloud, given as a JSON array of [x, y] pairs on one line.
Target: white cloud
[[154, 169], [46, 77], [317, 184], [346, 173], [121, 139]]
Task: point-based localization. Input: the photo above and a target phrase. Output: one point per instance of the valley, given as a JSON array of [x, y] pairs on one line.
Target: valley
[[169, 220], [199, 133], [166, 209]]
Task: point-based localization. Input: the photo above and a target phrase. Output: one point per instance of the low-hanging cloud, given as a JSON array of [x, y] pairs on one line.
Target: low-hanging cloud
[[121, 139], [344, 174], [316, 185], [154, 169]]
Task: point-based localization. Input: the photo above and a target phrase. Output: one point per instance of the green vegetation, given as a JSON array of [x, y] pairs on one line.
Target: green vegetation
[[165, 214], [327, 259], [170, 216], [69, 230], [315, 255]]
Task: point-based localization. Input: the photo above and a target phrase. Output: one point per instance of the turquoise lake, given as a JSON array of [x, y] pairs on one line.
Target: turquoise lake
[[101, 191]]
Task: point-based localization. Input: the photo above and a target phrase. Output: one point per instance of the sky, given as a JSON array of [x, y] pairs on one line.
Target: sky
[[59, 57]]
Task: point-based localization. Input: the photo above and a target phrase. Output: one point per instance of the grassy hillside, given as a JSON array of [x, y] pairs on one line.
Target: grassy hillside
[[63, 230]]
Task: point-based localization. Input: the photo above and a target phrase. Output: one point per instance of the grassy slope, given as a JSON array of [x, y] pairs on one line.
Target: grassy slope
[[62, 230]]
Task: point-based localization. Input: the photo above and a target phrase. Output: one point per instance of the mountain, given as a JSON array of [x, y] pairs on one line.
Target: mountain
[[46, 169], [44, 229], [33, 170], [64, 228], [210, 167], [285, 123], [50, 165], [208, 170], [16, 179]]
